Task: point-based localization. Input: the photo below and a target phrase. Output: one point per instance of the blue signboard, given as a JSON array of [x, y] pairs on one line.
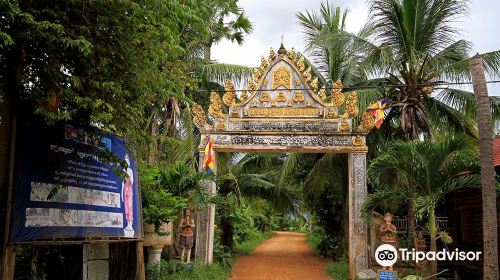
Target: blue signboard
[[63, 191], [387, 275]]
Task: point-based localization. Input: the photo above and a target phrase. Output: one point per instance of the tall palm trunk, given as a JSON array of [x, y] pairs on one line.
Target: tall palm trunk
[[488, 190], [432, 236]]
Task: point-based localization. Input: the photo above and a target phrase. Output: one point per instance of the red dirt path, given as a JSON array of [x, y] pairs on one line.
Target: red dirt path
[[285, 256]]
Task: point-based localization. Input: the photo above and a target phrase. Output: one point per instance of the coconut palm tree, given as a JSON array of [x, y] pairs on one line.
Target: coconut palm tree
[[248, 176], [435, 169], [417, 50], [218, 12], [488, 190]]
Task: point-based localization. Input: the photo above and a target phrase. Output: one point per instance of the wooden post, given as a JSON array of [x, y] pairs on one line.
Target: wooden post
[[141, 273], [488, 189], [7, 153]]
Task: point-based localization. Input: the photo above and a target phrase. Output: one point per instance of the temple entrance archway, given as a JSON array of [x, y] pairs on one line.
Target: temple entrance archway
[[285, 110]]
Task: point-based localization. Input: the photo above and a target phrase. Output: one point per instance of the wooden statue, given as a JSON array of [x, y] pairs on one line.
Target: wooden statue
[[387, 232]]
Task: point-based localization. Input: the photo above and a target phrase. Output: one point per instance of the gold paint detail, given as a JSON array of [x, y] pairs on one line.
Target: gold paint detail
[[298, 97], [199, 117], [251, 84], [272, 56], [331, 114], [244, 96], [337, 95], [281, 97], [367, 122], [351, 109], [234, 112], [357, 141], [264, 97], [314, 84], [291, 55], [282, 77], [221, 124], [300, 64], [309, 103], [263, 64], [229, 97], [283, 111], [307, 74], [257, 74], [322, 93], [215, 108], [344, 125]]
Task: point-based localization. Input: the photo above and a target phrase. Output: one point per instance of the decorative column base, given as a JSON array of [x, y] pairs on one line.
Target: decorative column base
[[358, 239], [96, 261], [154, 254]]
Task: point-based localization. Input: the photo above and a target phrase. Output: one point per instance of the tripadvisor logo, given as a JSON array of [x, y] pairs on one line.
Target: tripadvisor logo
[[386, 255]]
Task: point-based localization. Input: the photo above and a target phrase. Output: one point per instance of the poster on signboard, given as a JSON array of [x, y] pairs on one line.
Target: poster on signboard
[[63, 191]]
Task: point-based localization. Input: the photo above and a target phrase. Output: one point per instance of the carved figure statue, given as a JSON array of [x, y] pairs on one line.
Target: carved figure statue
[[185, 230], [387, 232]]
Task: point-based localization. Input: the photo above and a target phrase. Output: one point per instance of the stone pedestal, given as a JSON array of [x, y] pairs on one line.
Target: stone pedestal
[[358, 239], [154, 254], [96, 261]]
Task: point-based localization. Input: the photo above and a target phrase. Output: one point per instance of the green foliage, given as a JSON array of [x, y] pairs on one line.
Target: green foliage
[[253, 239], [166, 190], [338, 270], [175, 271], [326, 245]]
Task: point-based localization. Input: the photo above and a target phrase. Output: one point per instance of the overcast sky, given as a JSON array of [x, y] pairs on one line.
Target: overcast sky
[[273, 18]]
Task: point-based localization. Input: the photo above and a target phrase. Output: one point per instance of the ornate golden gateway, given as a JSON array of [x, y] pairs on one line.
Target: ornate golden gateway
[[284, 97], [282, 77]]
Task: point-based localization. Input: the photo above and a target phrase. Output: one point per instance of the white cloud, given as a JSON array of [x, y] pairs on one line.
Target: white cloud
[[274, 18]]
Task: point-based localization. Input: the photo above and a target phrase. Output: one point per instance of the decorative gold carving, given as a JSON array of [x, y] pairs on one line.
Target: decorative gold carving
[[272, 56], [331, 114], [257, 74], [264, 97], [244, 96], [290, 103], [281, 97], [314, 84], [291, 55], [322, 93], [255, 103], [245, 112], [309, 103], [357, 141], [230, 95], [273, 103], [351, 109], [234, 112], [337, 95], [221, 124], [199, 117], [344, 125], [307, 74], [282, 77], [282, 111], [251, 84], [300, 64], [297, 82], [298, 97], [263, 64], [215, 108], [367, 122]]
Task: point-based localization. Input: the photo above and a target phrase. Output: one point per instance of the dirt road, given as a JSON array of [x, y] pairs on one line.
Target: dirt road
[[285, 256]]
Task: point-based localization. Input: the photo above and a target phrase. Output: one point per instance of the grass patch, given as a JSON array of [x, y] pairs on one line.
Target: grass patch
[[173, 270], [214, 271], [248, 246], [337, 270]]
